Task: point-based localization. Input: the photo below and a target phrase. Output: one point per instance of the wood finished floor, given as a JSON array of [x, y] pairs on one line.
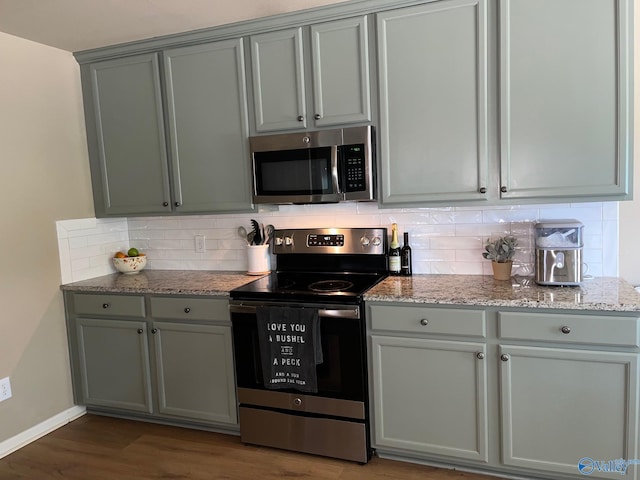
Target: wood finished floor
[[95, 447]]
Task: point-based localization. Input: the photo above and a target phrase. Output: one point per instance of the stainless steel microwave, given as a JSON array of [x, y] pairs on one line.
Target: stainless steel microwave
[[324, 166]]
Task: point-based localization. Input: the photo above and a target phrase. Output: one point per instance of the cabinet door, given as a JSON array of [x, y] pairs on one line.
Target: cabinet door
[[433, 102], [114, 364], [125, 130], [430, 396], [560, 406], [278, 80], [340, 55], [565, 94], [195, 371], [208, 129]]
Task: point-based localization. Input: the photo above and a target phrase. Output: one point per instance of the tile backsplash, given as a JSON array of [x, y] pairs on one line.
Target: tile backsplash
[[443, 240]]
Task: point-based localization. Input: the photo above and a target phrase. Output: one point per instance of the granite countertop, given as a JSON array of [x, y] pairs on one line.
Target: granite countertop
[[177, 282], [598, 294]]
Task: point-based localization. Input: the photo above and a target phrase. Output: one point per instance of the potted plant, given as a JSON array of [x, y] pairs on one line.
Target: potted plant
[[501, 251]]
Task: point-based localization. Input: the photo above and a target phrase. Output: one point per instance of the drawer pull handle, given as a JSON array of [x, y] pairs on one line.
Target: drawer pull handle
[[480, 355], [424, 322], [187, 310], [105, 305], [566, 330], [140, 331], [154, 330], [504, 357]]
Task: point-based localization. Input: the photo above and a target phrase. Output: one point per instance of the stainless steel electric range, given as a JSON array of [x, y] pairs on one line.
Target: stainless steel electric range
[[321, 275]]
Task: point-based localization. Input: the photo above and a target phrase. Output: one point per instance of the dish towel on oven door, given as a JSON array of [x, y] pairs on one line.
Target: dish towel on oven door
[[290, 347]]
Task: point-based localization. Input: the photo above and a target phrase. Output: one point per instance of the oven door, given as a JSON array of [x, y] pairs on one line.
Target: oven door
[[341, 375]]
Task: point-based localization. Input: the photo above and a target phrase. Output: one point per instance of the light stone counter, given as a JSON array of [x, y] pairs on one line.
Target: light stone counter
[[597, 294], [174, 282]]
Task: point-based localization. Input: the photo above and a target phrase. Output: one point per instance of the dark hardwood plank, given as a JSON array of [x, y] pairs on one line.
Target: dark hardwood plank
[[102, 448]]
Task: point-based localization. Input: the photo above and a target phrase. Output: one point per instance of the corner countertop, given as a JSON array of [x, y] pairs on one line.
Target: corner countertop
[[610, 294], [174, 282]]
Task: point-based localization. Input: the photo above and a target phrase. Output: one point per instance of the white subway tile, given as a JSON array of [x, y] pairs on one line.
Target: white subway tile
[[444, 240]]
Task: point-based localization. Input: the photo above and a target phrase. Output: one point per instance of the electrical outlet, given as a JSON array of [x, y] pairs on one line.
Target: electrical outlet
[[5, 389], [200, 243]]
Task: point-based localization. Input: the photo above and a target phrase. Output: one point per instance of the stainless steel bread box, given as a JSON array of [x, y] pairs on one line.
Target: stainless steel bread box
[[558, 251]]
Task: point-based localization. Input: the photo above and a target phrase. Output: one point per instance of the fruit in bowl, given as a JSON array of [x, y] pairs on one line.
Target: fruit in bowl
[[130, 263]]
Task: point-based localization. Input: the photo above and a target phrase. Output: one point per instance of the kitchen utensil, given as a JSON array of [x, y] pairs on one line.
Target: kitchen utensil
[[242, 233], [257, 238], [268, 230]]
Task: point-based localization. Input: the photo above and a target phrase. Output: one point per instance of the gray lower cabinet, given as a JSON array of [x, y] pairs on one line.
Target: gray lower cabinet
[[337, 88], [525, 393], [528, 101], [166, 358], [200, 94], [429, 396], [113, 356], [563, 407]]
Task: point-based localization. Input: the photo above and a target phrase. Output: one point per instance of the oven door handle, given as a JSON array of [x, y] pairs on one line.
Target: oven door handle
[[351, 312]]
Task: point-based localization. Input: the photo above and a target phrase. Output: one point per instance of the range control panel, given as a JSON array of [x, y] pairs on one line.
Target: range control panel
[[369, 241], [315, 240]]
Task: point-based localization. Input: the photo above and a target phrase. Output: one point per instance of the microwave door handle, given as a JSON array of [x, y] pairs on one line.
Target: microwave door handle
[[334, 169]]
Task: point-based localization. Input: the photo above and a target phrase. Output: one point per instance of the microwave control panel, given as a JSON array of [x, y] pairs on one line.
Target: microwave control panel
[[354, 168]]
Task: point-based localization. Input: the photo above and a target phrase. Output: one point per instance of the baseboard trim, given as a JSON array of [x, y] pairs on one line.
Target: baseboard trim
[[40, 430]]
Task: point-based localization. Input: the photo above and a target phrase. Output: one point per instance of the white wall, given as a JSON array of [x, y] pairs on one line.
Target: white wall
[[45, 178], [443, 240]]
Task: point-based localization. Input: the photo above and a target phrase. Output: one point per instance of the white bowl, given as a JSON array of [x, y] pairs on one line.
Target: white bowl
[[130, 265]]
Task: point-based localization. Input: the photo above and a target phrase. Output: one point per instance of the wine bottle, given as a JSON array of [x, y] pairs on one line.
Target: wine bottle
[[394, 251], [405, 256]]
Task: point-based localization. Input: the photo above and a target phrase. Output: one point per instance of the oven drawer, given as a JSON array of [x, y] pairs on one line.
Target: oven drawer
[[319, 436], [190, 308], [428, 320], [108, 305], [301, 403]]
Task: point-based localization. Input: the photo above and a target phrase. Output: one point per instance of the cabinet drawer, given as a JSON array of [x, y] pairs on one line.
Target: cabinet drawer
[[190, 308], [443, 321], [569, 328], [109, 305]]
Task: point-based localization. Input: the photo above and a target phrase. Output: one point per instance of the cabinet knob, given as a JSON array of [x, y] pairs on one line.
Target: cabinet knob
[[566, 330], [178, 204], [154, 330], [105, 305], [165, 204], [504, 357], [480, 355], [187, 310], [317, 116], [503, 189], [483, 190], [300, 118], [297, 402], [424, 322], [140, 331]]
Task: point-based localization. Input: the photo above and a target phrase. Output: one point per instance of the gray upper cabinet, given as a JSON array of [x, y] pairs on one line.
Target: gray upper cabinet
[[338, 86], [432, 62], [205, 167], [208, 127], [565, 95], [529, 101], [125, 130]]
